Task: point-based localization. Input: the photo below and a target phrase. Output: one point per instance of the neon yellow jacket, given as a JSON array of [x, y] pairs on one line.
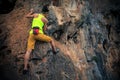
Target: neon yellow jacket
[[37, 22]]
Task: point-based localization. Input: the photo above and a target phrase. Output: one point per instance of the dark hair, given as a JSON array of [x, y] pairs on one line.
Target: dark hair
[[45, 8]]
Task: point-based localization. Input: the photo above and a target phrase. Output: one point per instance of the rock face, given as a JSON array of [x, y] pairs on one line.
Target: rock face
[[86, 35]]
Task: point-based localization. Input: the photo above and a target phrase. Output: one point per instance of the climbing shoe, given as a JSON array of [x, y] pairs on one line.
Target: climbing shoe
[[55, 52], [36, 58], [25, 72]]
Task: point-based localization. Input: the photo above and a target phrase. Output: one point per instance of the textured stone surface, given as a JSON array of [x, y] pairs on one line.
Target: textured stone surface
[[88, 41]]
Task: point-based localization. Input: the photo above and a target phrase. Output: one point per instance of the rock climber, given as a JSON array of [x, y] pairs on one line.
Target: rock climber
[[39, 25]]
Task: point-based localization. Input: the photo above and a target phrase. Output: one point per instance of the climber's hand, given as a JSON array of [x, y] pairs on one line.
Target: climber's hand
[[31, 10]]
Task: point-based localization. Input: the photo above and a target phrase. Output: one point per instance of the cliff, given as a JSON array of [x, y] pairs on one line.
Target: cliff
[[86, 34]]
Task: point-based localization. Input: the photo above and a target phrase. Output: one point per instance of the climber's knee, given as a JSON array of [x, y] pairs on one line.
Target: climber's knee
[[44, 37]]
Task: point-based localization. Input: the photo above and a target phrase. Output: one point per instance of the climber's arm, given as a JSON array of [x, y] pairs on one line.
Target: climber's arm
[[30, 14], [45, 23]]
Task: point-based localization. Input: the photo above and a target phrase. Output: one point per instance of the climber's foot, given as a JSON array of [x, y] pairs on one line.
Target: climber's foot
[[55, 52], [25, 72], [36, 58]]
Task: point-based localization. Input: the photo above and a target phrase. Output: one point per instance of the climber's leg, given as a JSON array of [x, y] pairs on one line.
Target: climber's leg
[[26, 59], [53, 47], [30, 47], [46, 38]]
